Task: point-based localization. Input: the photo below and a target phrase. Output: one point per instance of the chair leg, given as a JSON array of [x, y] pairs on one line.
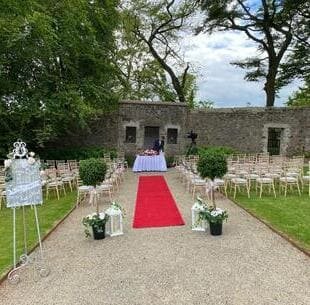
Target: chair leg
[[274, 190], [235, 190], [298, 189]]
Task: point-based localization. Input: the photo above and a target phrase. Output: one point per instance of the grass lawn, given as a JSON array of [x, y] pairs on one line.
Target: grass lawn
[[289, 215], [49, 214]]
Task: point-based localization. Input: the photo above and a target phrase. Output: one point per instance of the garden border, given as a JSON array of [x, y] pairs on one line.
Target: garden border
[[4, 277], [284, 236]]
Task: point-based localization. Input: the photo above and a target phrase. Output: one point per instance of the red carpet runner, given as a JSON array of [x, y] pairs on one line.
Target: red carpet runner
[[155, 206]]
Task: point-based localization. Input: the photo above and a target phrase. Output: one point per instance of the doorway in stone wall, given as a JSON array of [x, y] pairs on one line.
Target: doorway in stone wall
[[274, 141], [151, 133]]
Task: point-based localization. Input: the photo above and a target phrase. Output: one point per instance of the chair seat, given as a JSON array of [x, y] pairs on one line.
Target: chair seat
[[239, 181], [104, 187], [306, 178], [288, 179], [230, 176], [55, 183], [252, 176], [197, 181], [273, 175], [85, 188], [292, 174], [219, 182], [67, 179], [264, 180]]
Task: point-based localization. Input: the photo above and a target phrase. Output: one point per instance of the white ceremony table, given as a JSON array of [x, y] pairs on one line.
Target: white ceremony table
[[155, 163]]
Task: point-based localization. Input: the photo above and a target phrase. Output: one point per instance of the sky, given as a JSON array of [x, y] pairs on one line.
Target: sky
[[218, 80]]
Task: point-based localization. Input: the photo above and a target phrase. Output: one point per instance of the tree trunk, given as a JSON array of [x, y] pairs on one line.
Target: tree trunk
[[270, 86]]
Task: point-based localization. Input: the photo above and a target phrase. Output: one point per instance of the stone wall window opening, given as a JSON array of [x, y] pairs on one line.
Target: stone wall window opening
[[131, 134], [172, 136], [274, 140]]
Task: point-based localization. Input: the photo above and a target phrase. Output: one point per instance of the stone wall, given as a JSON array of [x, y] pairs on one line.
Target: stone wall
[[245, 129], [163, 115]]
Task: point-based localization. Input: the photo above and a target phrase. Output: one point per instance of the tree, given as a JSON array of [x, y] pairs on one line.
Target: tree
[[272, 24], [297, 64], [55, 66], [300, 97], [158, 26]]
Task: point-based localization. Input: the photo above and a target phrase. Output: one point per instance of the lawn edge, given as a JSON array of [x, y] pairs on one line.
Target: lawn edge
[[5, 275], [283, 235]]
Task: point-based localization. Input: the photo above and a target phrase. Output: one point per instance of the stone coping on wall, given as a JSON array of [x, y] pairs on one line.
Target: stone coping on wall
[[157, 103], [251, 109]]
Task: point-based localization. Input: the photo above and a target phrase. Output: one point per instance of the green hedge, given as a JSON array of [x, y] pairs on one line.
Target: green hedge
[[222, 150], [81, 153]]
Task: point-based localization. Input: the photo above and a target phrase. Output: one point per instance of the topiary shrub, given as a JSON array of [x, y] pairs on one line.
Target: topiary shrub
[[92, 171], [212, 165]]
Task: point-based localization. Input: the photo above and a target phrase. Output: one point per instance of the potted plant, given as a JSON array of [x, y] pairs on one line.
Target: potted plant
[[215, 217], [92, 172], [213, 165], [97, 222]]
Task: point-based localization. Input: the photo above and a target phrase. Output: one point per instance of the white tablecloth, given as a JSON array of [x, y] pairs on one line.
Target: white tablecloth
[[150, 163]]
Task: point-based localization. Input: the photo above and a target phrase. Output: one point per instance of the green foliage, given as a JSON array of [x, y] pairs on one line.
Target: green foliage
[[300, 97], [192, 150], [170, 161], [212, 165], [213, 215], [55, 67], [223, 150], [130, 160], [150, 49], [92, 171], [94, 220], [76, 153]]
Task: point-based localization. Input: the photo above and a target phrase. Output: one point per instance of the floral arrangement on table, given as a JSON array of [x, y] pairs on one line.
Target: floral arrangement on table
[[149, 152], [95, 220]]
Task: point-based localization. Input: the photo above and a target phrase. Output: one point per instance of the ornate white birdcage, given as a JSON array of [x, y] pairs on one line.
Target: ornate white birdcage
[[114, 226], [198, 225]]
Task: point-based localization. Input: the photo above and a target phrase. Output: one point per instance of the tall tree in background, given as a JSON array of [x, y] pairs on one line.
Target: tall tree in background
[[158, 25], [272, 24], [55, 69], [140, 75]]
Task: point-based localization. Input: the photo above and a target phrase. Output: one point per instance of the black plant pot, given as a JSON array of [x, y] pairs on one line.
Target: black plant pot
[[216, 228], [99, 231]]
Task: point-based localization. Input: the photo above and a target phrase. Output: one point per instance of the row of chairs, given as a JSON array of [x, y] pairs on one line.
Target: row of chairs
[[244, 176]]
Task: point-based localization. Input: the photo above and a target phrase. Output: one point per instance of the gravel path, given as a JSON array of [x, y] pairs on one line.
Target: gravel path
[[248, 264]]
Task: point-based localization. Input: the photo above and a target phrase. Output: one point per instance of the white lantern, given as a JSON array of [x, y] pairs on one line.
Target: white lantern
[[114, 226], [196, 224]]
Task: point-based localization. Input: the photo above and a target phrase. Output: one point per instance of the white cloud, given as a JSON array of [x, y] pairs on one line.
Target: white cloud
[[218, 80]]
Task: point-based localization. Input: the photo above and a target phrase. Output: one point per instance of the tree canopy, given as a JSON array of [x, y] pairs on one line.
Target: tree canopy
[[274, 25], [55, 66], [154, 31]]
